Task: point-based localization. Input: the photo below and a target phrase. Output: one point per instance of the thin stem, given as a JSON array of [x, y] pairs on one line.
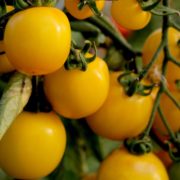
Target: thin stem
[[174, 60], [153, 61], [173, 99], [152, 116], [166, 124]]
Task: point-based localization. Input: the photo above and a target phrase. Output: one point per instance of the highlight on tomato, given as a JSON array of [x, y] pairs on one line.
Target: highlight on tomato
[[85, 12], [150, 46], [37, 40], [33, 146], [121, 116], [74, 93], [121, 164], [129, 14]]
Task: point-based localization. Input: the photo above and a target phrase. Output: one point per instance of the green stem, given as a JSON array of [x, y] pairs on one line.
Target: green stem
[[174, 60], [166, 124], [145, 71], [173, 99], [152, 116]]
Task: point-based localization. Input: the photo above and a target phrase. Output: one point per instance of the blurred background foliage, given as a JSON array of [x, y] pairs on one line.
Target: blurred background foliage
[[84, 149]]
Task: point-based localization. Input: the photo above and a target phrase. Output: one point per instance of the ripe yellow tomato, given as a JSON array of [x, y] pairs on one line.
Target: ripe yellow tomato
[[171, 112], [85, 12], [5, 65], [75, 93], [121, 165], [150, 46], [129, 14], [121, 116], [37, 40], [33, 145]]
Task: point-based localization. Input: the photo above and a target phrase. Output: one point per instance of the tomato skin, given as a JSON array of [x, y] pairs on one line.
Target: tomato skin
[[121, 116], [37, 40], [129, 14], [121, 165], [5, 65], [149, 48], [33, 145], [171, 113], [76, 94], [85, 12]]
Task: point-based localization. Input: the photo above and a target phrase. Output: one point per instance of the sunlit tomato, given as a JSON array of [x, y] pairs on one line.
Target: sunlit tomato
[[150, 46], [33, 145], [85, 12], [121, 116], [91, 176], [5, 65], [171, 113], [174, 171], [129, 14], [164, 157], [75, 93], [121, 165], [37, 40]]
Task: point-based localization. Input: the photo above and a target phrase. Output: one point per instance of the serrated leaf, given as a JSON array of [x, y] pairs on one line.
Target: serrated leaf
[[13, 100]]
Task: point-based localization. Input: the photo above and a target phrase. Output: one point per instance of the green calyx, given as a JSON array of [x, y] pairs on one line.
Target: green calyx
[[132, 84], [139, 145], [92, 6], [77, 58]]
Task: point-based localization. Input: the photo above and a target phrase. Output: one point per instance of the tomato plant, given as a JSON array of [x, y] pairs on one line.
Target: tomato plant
[[114, 119], [70, 61], [129, 14], [33, 145], [85, 12], [82, 94], [120, 164], [32, 49]]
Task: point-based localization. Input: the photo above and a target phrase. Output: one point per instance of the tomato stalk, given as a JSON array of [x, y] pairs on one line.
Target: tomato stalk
[[92, 6]]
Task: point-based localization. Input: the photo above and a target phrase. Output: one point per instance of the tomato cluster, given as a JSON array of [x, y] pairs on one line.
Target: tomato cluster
[[78, 84]]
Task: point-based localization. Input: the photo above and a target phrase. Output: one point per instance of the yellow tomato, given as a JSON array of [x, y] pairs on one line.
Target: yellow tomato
[[150, 46], [85, 12], [171, 112], [37, 40], [128, 13], [121, 116], [75, 93], [121, 165], [5, 65], [33, 145]]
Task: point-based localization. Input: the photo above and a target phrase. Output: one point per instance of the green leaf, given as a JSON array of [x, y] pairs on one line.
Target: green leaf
[[13, 100], [2, 7]]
